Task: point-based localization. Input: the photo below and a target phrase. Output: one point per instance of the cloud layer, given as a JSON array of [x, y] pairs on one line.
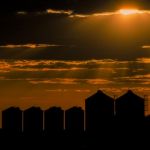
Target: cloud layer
[[90, 72], [74, 14]]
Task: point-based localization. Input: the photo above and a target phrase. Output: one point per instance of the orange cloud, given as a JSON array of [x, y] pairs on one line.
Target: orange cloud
[[55, 81], [52, 11], [32, 46], [71, 81], [96, 72], [72, 14], [146, 46], [22, 13], [98, 81], [93, 15], [143, 60]]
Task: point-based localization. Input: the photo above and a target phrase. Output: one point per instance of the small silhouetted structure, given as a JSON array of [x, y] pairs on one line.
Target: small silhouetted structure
[[99, 109], [33, 120], [54, 120], [74, 120], [12, 120], [129, 108]]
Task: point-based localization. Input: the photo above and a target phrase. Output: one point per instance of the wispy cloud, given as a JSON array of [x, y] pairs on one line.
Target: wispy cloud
[[68, 90], [64, 81], [58, 66], [98, 81], [78, 16], [32, 46], [135, 79], [72, 14], [72, 81], [82, 90], [69, 13], [22, 13], [145, 11], [90, 72], [143, 60], [48, 11], [93, 15], [118, 12], [52, 11], [57, 90], [146, 46]]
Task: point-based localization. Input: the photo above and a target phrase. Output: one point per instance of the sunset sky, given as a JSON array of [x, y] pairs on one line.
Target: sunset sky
[[58, 52]]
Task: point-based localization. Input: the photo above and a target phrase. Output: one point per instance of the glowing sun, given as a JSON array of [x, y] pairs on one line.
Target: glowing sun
[[129, 11]]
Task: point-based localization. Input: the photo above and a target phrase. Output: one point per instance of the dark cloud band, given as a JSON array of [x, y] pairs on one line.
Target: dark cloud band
[[79, 6]]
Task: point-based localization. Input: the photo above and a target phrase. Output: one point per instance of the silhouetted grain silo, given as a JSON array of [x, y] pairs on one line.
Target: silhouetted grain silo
[[74, 120], [129, 108], [99, 110], [54, 120], [33, 120], [12, 119]]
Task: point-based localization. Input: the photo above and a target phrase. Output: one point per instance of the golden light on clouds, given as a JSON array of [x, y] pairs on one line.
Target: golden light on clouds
[[30, 45], [146, 47], [129, 11], [126, 11], [123, 11], [52, 11]]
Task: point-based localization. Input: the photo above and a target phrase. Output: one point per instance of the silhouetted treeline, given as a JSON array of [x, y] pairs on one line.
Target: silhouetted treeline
[[104, 116]]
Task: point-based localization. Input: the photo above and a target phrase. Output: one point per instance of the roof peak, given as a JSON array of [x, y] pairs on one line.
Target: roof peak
[[130, 91], [100, 91], [99, 95], [129, 95]]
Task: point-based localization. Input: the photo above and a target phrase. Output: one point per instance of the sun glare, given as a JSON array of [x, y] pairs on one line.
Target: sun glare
[[129, 11]]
